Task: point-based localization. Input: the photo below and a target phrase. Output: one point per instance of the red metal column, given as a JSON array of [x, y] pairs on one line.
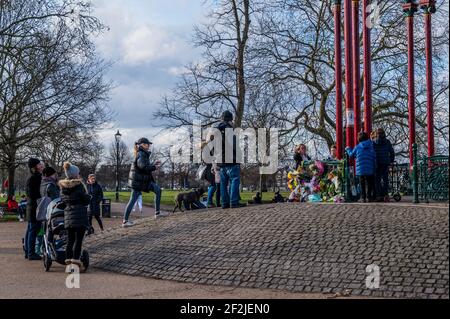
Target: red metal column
[[409, 8], [429, 7], [338, 76], [367, 70], [348, 74], [356, 69]]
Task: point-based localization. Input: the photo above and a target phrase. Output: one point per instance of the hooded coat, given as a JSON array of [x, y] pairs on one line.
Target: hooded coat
[[365, 158], [76, 198]]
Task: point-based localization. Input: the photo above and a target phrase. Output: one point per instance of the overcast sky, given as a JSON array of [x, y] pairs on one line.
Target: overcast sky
[[149, 43]]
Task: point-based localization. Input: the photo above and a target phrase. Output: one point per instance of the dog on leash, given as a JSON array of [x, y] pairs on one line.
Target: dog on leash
[[189, 200]]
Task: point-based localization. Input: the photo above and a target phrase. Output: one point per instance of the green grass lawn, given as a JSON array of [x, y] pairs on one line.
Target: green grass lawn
[[9, 218], [167, 198]]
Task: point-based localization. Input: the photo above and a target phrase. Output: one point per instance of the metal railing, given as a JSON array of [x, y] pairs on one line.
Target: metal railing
[[431, 179]]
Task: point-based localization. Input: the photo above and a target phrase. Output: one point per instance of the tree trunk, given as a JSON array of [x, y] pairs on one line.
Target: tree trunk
[[3, 178], [11, 179]]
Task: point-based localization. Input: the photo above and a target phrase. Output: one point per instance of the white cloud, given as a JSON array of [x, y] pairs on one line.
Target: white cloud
[[148, 43]]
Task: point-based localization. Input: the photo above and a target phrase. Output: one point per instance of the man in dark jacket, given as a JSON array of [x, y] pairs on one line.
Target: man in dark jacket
[[96, 192], [385, 156], [230, 168], [33, 186], [76, 198], [141, 179]]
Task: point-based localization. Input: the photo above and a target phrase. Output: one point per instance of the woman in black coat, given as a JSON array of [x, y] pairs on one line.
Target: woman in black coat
[[96, 193], [76, 198], [141, 179]]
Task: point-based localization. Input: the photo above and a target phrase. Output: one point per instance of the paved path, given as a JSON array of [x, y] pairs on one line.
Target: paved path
[[20, 278], [319, 248]]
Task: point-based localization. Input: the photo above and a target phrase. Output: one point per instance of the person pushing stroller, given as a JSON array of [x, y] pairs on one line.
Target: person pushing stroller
[[76, 199]]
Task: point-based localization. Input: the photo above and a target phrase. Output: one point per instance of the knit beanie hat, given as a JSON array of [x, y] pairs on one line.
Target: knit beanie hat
[[71, 170], [48, 171], [32, 162]]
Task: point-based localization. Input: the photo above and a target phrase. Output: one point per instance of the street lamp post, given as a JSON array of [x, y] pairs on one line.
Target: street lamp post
[[117, 137]]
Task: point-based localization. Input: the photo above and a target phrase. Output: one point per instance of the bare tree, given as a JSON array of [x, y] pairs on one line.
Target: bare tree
[[218, 82], [124, 154], [51, 80]]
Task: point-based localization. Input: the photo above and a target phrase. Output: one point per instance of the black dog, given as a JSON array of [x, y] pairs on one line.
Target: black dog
[[190, 200]]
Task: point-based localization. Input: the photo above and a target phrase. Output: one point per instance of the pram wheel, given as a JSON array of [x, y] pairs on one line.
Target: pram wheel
[[85, 259], [397, 197], [47, 261]]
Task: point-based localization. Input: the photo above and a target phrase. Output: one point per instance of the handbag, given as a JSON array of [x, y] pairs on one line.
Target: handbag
[[41, 210]]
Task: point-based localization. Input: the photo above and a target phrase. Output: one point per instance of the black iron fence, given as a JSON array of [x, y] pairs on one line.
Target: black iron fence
[[430, 177]]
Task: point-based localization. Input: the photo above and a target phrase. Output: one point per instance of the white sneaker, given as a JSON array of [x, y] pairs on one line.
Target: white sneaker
[[127, 224], [21, 220], [161, 214]]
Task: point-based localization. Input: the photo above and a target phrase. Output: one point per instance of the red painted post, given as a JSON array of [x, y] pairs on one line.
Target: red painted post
[[348, 74], [429, 7], [367, 69], [338, 77], [356, 70], [409, 8]]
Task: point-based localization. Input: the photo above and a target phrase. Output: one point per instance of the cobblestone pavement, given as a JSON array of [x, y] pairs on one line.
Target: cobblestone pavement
[[294, 247]]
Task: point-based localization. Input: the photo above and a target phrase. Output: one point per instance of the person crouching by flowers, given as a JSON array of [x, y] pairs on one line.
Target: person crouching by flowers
[[365, 165], [76, 198], [300, 155]]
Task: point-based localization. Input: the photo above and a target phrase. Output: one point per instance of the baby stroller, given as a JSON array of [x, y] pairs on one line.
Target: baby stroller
[[55, 237]]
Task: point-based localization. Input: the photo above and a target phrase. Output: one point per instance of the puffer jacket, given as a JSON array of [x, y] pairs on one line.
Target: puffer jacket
[[33, 194], [365, 158], [49, 188], [141, 170], [384, 151], [76, 198], [96, 193]]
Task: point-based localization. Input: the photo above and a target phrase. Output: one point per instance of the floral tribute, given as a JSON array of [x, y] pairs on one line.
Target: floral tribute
[[316, 182]]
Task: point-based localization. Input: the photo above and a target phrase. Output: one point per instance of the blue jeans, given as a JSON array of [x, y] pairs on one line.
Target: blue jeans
[[214, 188], [230, 179], [30, 237], [154, 188]]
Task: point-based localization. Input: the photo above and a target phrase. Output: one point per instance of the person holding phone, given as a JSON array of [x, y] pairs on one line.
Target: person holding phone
[[141, 179]]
